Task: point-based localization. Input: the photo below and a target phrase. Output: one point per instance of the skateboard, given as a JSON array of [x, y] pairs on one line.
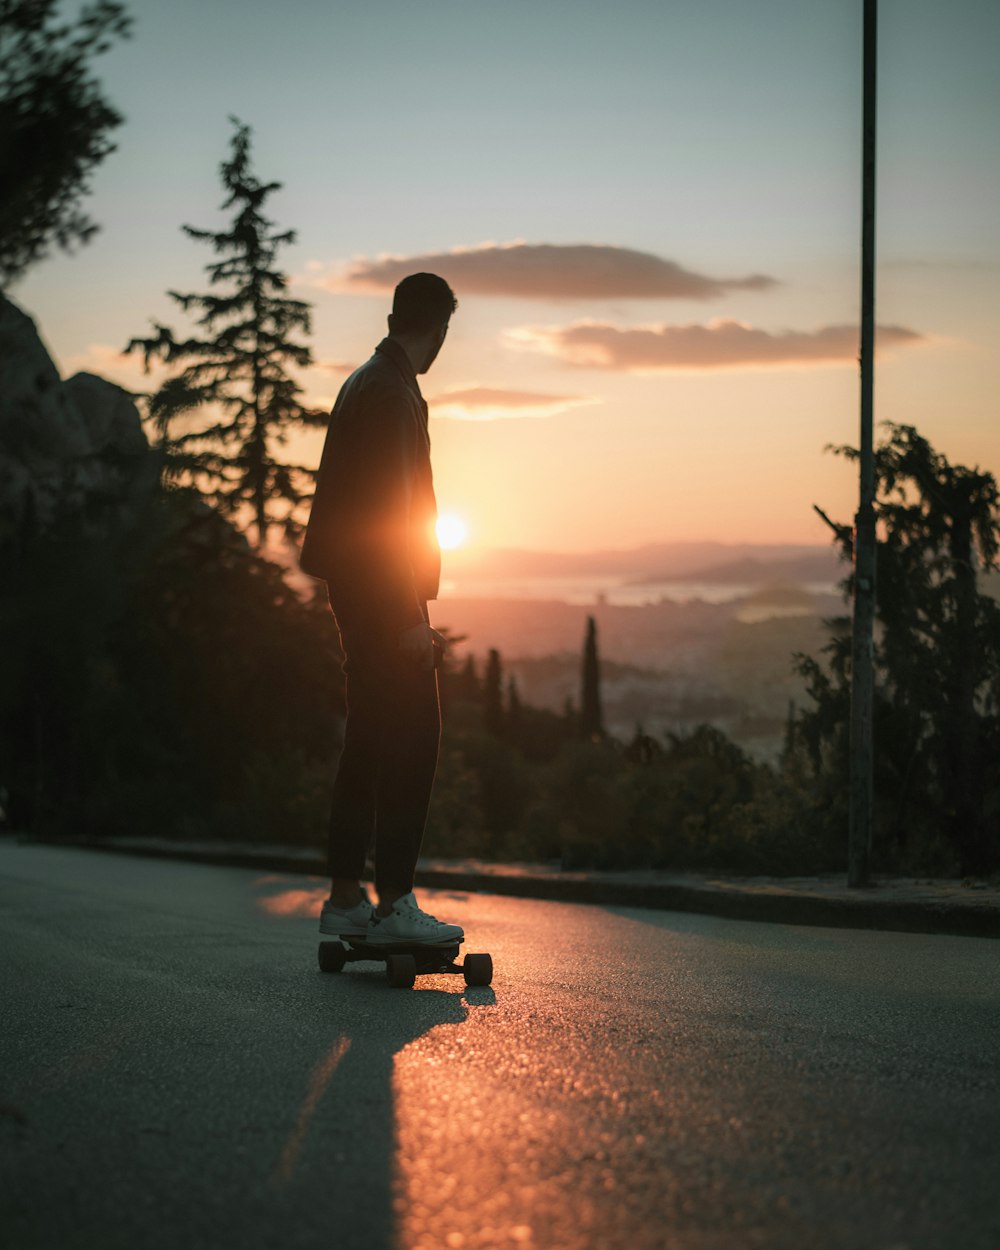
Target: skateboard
[[405, 961]]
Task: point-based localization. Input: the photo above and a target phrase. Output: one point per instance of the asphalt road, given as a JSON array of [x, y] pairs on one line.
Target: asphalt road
[[176, 1072]]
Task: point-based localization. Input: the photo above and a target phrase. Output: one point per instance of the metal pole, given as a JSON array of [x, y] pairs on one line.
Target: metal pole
[[862, 649]]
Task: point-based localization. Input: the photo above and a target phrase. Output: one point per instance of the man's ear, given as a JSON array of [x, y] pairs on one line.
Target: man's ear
[[388, 322]]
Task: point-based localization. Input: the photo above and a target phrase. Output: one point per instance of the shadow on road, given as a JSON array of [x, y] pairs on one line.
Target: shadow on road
[[337, 1164]]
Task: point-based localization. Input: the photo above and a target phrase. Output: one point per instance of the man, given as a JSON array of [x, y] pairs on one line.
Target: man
[[371, 538]]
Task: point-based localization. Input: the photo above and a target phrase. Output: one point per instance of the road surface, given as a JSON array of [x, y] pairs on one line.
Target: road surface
[[176, 1072]]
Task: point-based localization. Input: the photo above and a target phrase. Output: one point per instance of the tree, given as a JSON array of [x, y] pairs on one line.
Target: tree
[[513, 708], [54, 125], [468, 680], [493, 717], [937, 655], [237, 370], [591, 716], [160, 677]]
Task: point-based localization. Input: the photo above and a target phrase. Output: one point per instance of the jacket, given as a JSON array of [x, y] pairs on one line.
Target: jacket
[[371, 531]]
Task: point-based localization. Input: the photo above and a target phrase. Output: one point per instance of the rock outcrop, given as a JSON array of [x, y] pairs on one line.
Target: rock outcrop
[[61, 443]]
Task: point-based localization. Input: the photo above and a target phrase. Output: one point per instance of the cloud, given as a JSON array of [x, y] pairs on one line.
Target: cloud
[[339, 367], [483, 403], [720, 344], [547, 271]]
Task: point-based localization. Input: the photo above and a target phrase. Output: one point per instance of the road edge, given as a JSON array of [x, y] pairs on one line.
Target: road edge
[[868, 911]]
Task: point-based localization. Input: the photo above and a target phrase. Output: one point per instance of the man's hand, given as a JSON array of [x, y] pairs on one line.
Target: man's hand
[[419, 643]]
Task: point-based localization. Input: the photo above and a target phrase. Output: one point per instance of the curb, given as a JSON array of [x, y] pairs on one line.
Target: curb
[[898, 917], [729, 900]]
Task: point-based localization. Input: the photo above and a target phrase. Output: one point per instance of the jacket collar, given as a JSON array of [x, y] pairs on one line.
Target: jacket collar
[[400, 359]]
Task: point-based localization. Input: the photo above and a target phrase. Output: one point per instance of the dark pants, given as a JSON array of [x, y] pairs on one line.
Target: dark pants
[[386, 769]]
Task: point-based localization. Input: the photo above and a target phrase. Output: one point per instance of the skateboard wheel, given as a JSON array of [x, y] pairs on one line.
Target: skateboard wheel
[[478, 969], [401, 971], [332, 957]]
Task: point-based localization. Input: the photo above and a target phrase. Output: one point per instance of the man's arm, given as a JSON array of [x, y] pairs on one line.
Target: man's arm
[[422, 644]]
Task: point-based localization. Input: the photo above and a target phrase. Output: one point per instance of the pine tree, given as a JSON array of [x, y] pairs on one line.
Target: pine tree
[[591, 716], [237, 370]]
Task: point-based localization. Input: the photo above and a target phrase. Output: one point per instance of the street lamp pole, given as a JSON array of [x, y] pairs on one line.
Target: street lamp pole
[[862, 644]]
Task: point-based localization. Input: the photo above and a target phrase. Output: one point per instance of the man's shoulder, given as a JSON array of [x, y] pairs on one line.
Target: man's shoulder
[[376, 384], [375, 369]]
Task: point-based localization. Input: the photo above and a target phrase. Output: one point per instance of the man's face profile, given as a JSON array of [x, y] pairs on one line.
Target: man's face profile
[[433, 347]]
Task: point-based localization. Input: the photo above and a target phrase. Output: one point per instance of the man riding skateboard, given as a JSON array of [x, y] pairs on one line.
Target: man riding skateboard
[[371, 538]]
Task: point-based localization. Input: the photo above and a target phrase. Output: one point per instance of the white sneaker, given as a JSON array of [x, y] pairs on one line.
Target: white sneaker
[[407, 923], [352, 922]]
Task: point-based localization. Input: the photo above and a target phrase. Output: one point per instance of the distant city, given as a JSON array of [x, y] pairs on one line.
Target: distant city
[[689, 633]]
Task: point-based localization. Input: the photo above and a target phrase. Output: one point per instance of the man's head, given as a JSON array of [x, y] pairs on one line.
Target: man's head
[[421, 309]]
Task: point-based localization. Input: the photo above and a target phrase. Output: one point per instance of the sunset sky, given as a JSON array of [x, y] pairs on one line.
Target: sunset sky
[[649, 212]]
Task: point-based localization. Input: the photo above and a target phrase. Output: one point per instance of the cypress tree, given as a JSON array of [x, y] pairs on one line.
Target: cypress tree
[[591, 717], [236, 371], [513, 708], [468, 680], [493, 695]]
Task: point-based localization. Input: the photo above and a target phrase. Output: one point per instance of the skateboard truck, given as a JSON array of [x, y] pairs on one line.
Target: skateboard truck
[[404, 962]]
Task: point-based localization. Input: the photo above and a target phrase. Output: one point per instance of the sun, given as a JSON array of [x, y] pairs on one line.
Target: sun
[[451, 531]]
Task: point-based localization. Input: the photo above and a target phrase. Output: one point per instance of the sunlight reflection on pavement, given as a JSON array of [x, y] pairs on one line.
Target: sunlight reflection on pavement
[[641, 1078], [289, 901]]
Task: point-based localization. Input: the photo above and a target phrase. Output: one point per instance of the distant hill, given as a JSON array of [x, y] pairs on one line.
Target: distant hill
[[749, 563], [818, 565]]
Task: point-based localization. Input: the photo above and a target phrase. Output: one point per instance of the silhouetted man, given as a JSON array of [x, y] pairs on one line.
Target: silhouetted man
[[371, 537]]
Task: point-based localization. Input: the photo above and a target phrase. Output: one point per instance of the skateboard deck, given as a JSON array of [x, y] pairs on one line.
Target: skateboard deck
[[404, 961]]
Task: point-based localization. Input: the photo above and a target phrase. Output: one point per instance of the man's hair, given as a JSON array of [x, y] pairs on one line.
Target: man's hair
[[421, 302]]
